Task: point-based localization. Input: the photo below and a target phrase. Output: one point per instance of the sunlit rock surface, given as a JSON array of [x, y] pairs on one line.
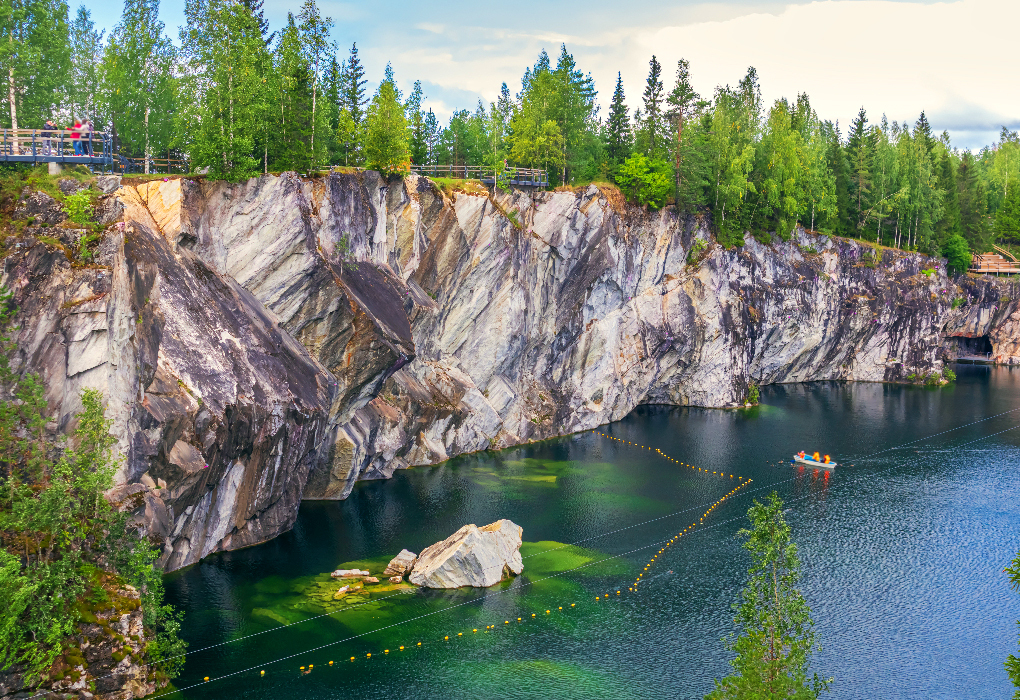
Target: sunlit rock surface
[[472, 556], [281, 338]]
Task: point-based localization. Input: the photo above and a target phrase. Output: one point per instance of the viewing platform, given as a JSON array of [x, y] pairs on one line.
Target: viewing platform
[[521, 177], [995, 264]]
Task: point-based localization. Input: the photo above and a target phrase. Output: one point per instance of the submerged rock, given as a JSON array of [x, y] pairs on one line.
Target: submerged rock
[[401, 564], [472, 556], [348, 573]]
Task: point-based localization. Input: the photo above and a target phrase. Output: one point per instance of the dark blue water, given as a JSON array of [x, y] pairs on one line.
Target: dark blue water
[[903, 549]]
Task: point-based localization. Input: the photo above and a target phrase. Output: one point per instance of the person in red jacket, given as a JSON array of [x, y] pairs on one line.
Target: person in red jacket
[[76, 137]]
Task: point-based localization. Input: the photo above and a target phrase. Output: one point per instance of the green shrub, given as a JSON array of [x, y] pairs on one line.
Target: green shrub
[[753, 394], [928, 273], [957, 303], [645, 181], [933, 379], [957, 253], [78, 207], [697, 249], [948, 374]]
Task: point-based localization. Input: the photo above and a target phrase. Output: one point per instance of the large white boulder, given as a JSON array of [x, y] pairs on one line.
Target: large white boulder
[[472, 556]]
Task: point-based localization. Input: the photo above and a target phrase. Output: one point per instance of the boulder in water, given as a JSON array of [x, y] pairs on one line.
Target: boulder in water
[[472, 556], [401, 564]]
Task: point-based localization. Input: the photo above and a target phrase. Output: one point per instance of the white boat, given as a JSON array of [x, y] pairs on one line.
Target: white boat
[[812, 463]]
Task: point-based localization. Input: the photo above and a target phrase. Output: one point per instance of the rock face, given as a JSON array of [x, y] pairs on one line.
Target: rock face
[[282, 338], [401, 564], [207, 394], [107, 652], [472, 556]]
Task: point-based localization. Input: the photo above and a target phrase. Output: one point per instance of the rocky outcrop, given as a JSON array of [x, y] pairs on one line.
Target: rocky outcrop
[[281, 338], [207, 394], [105, 659], [472, 556], [401, 564]]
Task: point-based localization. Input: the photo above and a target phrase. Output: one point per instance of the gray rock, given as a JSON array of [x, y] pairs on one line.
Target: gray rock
[[193, 368], [472, 556], [68, 185], [108, 184], [401, 564], [42, 208]]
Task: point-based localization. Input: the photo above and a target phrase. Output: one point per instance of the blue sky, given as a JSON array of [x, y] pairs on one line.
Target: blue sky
[[954, 60]]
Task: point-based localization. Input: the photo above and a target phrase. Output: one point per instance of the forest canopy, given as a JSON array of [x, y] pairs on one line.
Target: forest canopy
[[235, 99]]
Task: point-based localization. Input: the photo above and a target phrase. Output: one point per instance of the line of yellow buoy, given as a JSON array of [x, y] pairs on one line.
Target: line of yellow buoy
[[742, 482], [632, 588]]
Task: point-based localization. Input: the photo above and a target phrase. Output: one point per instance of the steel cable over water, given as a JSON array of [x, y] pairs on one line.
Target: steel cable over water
[[735, 492]]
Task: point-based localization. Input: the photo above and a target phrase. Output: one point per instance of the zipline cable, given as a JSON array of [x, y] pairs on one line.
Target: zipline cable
[[595, 537]]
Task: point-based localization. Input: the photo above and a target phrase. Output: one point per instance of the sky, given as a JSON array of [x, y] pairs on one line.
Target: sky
[[953, 60]]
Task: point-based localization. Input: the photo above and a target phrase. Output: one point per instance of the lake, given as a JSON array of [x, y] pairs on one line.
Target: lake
[[903, 547]]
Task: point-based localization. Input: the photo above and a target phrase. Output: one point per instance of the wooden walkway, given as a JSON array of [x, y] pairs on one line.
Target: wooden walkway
[[56, 146], [995, 264]]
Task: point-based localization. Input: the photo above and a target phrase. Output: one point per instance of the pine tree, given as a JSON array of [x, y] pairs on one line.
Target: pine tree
[[416, 124], [617, 132], [651, 128], [290, 140], [386, 138], [950, 223], [841, 221], [775, 646], [682, 103], [314, 30]]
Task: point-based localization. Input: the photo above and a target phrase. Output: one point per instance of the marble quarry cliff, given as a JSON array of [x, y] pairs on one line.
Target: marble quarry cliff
[[274, 340]]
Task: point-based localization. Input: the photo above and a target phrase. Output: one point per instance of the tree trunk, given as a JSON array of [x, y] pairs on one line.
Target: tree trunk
[[315, 87], [678, 159], [146, 139], [14, 108]]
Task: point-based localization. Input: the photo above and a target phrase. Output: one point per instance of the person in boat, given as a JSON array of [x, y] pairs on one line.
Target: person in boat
[[816, 457], [801, 454], [825, 459]]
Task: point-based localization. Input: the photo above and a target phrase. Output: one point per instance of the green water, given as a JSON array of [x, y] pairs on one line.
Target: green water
[[903, 547]]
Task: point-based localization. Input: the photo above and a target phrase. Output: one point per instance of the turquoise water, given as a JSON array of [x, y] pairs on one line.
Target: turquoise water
[[903, 549]]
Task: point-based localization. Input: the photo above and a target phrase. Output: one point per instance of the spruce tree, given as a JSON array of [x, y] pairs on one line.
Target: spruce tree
[[416, 124], [386, 137], [82, 91], [859, 155], [352, 92], [290, 140], [973, 203], [950, 223], [777, 639], [841, 222], [619, 141]]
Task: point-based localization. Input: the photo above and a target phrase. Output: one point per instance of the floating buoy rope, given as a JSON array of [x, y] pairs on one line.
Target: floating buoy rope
[[663, 545]]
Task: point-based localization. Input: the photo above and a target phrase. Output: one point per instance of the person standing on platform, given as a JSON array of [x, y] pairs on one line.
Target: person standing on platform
[[76, 137], [86, 137], [48, 128]]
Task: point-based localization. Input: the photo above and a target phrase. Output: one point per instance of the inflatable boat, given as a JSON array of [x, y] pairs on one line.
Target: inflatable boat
[[812, 463]]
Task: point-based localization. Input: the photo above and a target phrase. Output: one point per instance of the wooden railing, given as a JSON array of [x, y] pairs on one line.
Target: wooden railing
[[992, 264], [529, 177]]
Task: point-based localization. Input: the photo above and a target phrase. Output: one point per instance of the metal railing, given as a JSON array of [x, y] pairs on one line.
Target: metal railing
[[525, 177], [55, 146]]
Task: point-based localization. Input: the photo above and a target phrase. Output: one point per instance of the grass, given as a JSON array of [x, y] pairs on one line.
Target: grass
[[452, 185]]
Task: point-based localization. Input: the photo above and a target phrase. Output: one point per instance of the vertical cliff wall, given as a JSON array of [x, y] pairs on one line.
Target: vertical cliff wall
[[281, 338]]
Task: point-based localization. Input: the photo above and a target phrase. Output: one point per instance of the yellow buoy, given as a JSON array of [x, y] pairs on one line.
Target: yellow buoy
[[518, 619], [474, 630], [310, 667], [401, 649], [207, 677], [369, 655], [460, 634], [446, 637], [419, 643], [532, 614], [546, 612], [262, 673], [302, 668], [331, 663], [352, 658]]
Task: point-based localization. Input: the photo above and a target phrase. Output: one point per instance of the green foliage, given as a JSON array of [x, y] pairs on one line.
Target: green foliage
[[645, 181], [699, 246], [753, 394], [774, 648], [958, 302], [928, 272], [948, 374], [386, 138], [957, 253], [1012, 661], [59, 529], [1007, 219], [78, 207]]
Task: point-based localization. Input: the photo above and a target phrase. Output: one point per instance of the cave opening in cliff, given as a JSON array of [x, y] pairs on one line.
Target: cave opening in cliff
[[980, 346]]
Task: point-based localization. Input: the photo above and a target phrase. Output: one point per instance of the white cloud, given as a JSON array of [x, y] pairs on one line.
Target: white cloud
[[952, 60]]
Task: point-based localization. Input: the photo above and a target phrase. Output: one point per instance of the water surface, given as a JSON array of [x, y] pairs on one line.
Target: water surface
[[903, 549]]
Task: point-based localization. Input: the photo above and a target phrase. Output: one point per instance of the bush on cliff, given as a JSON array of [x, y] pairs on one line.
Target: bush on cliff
[[57, 529], [645, 181], [957, 253]]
